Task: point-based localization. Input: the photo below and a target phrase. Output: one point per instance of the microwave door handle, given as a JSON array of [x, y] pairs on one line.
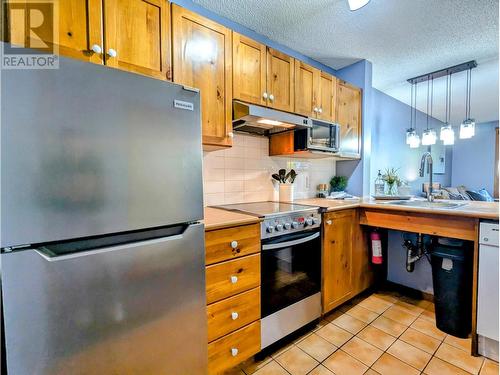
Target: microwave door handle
[[281, 245]]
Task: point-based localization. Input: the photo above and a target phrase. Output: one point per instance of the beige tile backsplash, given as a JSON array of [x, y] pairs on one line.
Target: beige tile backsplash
[[243, 173]]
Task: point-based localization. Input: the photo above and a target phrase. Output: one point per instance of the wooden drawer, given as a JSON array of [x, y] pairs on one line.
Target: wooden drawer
[[232, 277], [246, 341], [219, 243], [221, 320]]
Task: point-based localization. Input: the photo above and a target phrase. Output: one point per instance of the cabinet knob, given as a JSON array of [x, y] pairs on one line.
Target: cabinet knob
[[264, 95], [230, 135], [315, 109], [234, 315], [234, 244], [96, 48], [329, 222], [234, 352], [271, 97], [112, 52], [234, 279], [320, 110]]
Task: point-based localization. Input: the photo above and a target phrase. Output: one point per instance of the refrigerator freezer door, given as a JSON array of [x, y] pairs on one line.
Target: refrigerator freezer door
[[88, 150], [132, 309]]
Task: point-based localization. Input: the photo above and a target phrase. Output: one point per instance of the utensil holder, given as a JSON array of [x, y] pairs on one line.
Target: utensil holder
[[286, 193]]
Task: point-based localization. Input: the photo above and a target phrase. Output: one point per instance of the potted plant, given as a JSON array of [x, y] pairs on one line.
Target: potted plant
[[392, 180], [338, 183], [286, 181]]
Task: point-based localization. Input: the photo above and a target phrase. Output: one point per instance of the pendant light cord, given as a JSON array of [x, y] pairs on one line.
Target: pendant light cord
[[469, 91], [411, 108], [427, 110], [449, 106], [446, 107]]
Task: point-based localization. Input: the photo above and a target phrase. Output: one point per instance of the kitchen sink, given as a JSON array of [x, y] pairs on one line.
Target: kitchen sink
[[426, 204]]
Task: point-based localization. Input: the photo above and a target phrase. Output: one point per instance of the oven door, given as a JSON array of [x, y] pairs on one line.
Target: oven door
[[291, 270], [323, 136]]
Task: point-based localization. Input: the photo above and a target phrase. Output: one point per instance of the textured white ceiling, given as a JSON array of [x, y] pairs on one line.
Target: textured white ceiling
[[402, 38]]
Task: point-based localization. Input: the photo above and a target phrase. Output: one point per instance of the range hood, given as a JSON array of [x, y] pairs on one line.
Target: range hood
[[251, 118]]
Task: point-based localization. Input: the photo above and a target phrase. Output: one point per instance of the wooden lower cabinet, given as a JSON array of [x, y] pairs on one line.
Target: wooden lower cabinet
[[347, 269], [234, 348]]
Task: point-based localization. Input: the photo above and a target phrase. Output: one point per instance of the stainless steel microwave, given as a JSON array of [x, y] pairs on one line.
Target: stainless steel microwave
[[321, 136]]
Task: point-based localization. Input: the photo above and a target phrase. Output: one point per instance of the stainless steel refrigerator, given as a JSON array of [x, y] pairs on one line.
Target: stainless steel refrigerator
[[102, 247]]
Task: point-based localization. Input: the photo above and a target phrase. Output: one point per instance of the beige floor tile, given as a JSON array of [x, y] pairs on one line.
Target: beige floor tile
[[464, 344], [317, 347], [410, 308], [362, 314], [336, 335], [320, 324], [420, 340], [389, 326], [429, 328], [388, 365], [333, 315], [349, 323], [371, 372], [375, 304], [250, 365], [342, 363], [391, 297], [409, 354], [489, 368], [376, 337], [416, 302], [281, 350], [302, 337], [321, 370], [429, 315], [362, 351], [234, 371], [399, 315], [431, 307], [272, 368], [437, 366], [459, 358], [296, 362]]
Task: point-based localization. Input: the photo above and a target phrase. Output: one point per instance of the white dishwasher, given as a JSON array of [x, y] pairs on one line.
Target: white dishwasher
[[487, 298]]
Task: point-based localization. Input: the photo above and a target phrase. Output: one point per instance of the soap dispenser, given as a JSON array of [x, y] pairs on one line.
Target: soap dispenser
[[379, 185]]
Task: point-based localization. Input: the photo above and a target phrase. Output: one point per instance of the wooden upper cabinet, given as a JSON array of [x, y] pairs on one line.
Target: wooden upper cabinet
[[202, 57], [280, 80], [327, 97], [338, 257], [349, 118], [307, 89], [249, 70], [137, 36], [79, 28]]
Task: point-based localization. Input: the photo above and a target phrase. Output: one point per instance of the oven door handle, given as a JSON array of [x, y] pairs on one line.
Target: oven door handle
[[290, 243]]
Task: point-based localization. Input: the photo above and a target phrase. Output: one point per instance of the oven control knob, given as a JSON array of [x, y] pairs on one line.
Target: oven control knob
[[315, 220], [279, 227], [295, 225], [270, 229], [309, 221], [288, 226]]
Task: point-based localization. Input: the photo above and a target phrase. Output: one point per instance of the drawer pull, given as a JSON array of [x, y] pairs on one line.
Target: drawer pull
[[329, 222], [234, 352], [234, 315], [234, 244], [234, 279]]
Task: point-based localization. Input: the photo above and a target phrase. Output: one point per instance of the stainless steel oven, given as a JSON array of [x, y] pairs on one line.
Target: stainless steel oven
[[322, 136]]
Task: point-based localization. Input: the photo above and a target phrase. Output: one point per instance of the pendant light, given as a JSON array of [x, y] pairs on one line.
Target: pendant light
[[468, 126], [357, 4], [429, 135], [447, 134], [412, 138]]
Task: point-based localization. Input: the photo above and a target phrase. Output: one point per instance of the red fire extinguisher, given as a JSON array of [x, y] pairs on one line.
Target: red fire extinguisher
[[376, 247]]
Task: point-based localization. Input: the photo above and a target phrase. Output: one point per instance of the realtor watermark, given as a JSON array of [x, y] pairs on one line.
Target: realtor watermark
[[32, 32]]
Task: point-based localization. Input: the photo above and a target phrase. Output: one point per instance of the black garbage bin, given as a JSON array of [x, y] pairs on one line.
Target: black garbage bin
[[452, 279]]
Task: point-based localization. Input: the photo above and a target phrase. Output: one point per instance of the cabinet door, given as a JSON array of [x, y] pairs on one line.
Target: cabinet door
[[202, 59], [307, 89], [337, 258], [78, 30], [327, 97], [137, 36], [349, 118], [280, 82], [249, 70]]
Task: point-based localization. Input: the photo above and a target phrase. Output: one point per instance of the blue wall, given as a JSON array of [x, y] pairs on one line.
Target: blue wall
[[474, 159], [188, 4]]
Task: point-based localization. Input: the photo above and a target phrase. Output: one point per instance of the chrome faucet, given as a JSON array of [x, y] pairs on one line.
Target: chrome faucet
[[427, 159]]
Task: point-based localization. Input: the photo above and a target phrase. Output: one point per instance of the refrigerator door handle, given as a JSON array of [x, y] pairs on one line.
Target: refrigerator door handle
[[45, 254]]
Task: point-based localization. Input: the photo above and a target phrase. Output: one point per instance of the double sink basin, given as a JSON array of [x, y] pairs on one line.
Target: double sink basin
[[426, 204]]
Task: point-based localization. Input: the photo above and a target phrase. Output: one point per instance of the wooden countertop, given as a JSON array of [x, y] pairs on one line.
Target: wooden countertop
[[216, 218], [480, 210]]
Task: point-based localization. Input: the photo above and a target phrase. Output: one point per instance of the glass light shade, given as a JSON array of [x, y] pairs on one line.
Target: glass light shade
[[447, 135], [414, 140], [409, 134], [429, 137], [357, 4], [467, 129]]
